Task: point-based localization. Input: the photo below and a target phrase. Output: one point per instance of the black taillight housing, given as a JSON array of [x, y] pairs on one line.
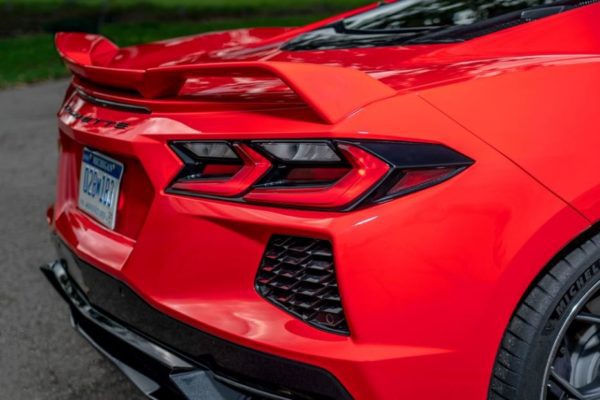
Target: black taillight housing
[[335, 175]]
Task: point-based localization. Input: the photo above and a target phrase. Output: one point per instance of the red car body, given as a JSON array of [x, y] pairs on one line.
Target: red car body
[[429, 280]]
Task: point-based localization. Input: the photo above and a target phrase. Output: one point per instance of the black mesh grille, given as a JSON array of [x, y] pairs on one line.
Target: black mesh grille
[[298, 275]]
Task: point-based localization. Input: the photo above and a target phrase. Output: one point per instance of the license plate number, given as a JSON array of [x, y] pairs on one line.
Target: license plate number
[[99, 187]]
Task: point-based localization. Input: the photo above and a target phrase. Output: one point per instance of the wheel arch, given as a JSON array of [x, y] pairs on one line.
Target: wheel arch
[[572, 245]]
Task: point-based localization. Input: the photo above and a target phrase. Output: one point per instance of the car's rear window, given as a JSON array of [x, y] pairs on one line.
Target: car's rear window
[[429, 21], [426, 13]]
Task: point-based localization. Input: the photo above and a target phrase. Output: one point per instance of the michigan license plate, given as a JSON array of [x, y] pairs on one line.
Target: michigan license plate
[[99, 187]]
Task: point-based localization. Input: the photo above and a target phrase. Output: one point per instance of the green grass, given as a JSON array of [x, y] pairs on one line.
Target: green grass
[[26, 44], [29, 16], [28, 59], [202, 5], [32, 58]]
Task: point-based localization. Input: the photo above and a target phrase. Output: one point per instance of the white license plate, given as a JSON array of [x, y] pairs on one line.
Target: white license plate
[[99, 186]]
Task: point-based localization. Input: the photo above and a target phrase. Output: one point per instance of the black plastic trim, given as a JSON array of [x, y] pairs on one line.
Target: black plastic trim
[[113, 104], [406, 155]]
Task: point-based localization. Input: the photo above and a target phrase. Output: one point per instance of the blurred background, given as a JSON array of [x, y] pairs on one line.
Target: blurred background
[[27, 26]]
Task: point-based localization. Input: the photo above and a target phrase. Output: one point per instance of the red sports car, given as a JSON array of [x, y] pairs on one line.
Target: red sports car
[[399, 202]]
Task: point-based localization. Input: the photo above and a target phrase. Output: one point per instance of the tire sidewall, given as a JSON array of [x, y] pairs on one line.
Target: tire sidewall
[[566, 302]]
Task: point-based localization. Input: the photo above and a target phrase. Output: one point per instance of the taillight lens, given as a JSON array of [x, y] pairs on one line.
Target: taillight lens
[[416, 178], [227, 170], [364, 171], [317, 152], [325, 174]]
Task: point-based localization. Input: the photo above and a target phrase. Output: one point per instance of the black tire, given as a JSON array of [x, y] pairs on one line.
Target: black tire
[[537, 334]]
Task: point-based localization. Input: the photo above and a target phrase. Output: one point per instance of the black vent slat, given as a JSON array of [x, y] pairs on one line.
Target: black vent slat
[[286, 273], [322, 251], [280, 241], [302, 247], [298, 275], [269, 268], [265, 280], [317, 279], [293, 260], [332, 298], [320, 265], [309, 290], [332, 310], [282, 298], [283, 284], [274, 254], [309, 304]]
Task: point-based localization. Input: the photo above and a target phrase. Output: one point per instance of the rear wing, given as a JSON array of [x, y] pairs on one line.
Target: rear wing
[[332, 92]]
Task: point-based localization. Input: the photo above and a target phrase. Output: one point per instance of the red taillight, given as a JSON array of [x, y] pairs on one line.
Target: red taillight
[[220, 170], [328, 175], [414, 179], [315, 175], [253, 167], [366, 170]]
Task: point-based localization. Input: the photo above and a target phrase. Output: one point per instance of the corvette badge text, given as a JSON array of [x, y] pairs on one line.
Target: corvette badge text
[[95, 121]]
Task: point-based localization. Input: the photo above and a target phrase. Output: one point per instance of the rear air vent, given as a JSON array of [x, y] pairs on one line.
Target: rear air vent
[[298, 275]]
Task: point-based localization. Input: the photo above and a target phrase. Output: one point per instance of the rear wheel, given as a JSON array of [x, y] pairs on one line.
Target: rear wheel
[[551, 349]]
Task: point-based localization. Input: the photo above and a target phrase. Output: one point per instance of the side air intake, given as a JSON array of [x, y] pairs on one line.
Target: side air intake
[[298, 275]]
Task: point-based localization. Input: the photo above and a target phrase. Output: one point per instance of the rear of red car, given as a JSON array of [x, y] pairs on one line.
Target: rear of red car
[[242, 220]]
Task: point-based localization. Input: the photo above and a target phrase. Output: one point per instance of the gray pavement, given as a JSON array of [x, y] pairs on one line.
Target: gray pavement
[[41, 357]]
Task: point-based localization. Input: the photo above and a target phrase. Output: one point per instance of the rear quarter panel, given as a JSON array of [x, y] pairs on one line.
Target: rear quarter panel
[[545, 117]]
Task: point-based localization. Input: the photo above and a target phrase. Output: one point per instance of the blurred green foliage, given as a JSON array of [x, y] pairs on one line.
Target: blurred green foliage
[[28, 16], [233, 5], [26, 39]]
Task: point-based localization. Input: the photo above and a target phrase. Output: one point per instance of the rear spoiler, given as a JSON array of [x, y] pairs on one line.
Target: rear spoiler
[[332, 92]]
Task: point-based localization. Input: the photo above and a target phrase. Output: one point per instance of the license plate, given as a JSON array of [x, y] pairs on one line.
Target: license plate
[[99, 187]]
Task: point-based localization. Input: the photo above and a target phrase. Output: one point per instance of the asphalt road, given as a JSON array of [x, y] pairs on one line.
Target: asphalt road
[[41, 357]]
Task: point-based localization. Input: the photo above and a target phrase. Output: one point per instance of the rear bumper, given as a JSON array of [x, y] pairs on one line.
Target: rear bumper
[[167, 359]]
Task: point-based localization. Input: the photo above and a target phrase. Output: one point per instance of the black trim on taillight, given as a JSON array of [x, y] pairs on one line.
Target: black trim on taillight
[[112, 104], [404, 155], [194, 165]]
